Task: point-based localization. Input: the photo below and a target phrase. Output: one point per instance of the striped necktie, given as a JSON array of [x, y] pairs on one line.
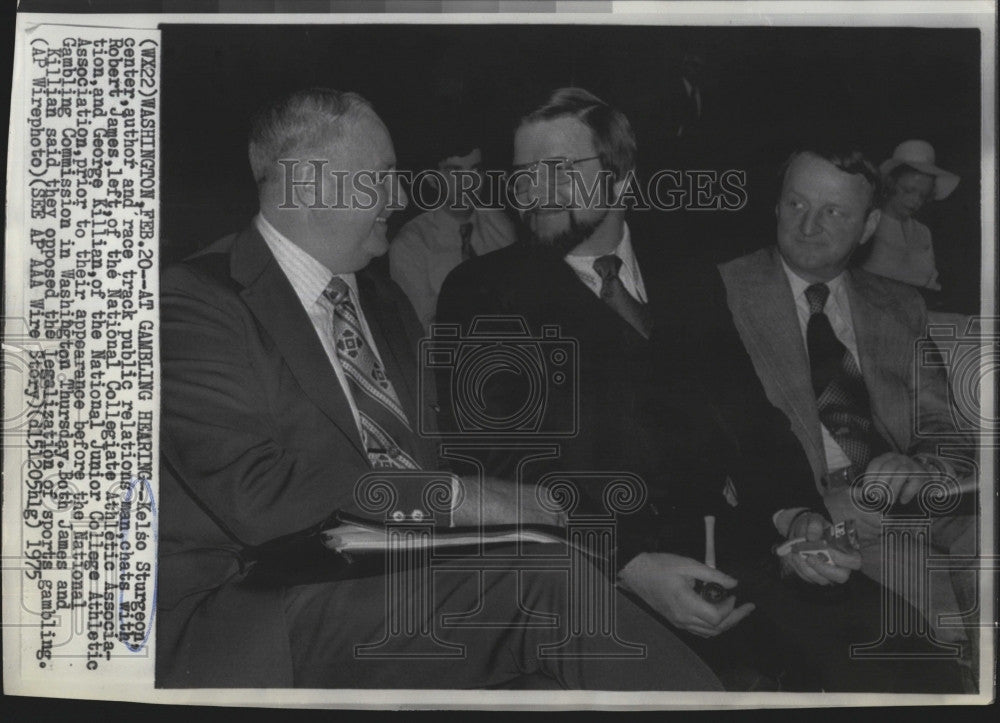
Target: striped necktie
[[383, 422], [841, 395]]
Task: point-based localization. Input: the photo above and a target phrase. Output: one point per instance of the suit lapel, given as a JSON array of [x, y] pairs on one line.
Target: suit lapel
[[270, 297], [552, 285], [878, 338], [597, 319], [649, 269], [771, 313]]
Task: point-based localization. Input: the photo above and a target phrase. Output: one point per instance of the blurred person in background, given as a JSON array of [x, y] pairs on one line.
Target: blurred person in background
[[902, 247]]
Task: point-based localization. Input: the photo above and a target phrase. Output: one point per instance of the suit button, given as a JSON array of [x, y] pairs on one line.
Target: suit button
[[417, 515], [398, 516]]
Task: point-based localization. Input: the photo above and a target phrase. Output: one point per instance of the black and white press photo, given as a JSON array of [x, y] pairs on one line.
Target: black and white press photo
[[502, 360]]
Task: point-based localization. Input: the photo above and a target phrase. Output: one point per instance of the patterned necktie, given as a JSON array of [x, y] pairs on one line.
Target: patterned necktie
[[616, 296], [841, 396], [466, 232], [382, 419]]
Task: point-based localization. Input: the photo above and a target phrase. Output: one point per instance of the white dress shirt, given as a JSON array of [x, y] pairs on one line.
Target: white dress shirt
[[629, 273], [309, 278]]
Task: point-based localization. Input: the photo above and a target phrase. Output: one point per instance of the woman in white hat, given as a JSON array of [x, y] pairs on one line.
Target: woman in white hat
[[901, 247]]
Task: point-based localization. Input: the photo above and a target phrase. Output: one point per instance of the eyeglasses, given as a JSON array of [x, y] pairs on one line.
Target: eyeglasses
[[525, 177]]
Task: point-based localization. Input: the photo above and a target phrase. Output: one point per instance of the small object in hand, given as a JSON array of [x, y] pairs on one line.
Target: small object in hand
[[842, 537], [818, 549], [712, 592]]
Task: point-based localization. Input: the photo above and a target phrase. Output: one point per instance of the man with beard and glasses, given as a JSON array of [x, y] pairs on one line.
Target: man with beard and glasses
[[579, 269]]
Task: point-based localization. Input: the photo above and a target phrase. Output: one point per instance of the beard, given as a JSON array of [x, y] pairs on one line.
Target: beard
[[563, 242]]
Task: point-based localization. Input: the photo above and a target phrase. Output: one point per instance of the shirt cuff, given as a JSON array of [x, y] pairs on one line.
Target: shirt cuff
[[456, 490]]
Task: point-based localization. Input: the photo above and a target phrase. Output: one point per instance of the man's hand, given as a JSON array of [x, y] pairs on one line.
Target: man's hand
[[903, 475], [841, 507], [666, 583], [811, 525]]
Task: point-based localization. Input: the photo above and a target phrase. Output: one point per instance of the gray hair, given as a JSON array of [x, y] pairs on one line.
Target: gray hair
[[296, 124]]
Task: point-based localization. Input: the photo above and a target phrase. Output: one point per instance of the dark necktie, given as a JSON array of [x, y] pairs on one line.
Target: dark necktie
[[466, 232], [383, 422], [617, 297], [841, 396]]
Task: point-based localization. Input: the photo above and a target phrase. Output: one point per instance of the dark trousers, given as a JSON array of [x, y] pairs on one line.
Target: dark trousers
[[509, 617], [800, 638]]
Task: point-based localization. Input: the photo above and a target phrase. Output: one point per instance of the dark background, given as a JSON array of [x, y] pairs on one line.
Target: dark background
[[766, 92]]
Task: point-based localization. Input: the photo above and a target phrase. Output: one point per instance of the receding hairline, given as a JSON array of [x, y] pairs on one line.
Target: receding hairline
[[876, 190], [304, 124], [813, 154]]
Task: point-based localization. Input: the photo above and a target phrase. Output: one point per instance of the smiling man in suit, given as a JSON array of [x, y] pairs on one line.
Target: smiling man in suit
[[579, 268], [834, 348], [289, 373]]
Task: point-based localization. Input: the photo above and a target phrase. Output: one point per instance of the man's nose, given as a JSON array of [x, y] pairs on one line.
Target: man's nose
[[546, 189], [809, 224]]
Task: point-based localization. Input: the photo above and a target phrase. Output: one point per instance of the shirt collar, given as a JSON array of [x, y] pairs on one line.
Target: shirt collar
[[444, 219], [623, 251], [799, 285], [308, 277]]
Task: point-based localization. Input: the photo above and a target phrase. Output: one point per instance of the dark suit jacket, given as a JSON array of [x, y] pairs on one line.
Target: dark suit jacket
[[613, 363], [683, 410], [258, 443], [710, 375]]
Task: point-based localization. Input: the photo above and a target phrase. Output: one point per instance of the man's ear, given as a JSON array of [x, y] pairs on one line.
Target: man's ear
[[303, 198], [304, 191], [621, 185], [617, 188], [871, 223]]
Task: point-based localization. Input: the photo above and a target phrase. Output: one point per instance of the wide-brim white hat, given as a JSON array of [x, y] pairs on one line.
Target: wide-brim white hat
[[920, 155]]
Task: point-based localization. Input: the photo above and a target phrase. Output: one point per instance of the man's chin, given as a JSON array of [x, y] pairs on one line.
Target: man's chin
[[558, 244], [563, 241], [548, 225], [378, 244]]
